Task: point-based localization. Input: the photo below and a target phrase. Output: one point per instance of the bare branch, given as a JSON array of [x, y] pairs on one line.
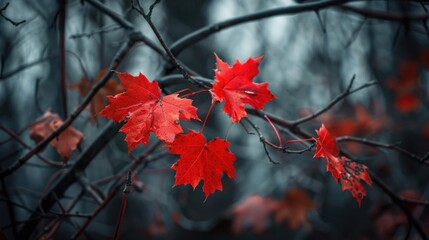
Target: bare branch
[[340, 97], [115, 63], [395, 147], [382, 15], [198, 35]]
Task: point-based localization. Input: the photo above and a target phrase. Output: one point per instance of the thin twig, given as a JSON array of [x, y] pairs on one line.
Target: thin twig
[[8, 19], [10, 209], [202, 33], [63, 69], [126, 191], [262, 140], [115, 63], [173, 59], [106, 201], [115, 16], [383, 15], [9, 74], [104, 30], [384, 145], [20, 141], [377, 181], [68, 178], [347, 92]]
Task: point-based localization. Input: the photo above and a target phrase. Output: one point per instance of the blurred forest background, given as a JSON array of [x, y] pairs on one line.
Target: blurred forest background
[[54, 52]]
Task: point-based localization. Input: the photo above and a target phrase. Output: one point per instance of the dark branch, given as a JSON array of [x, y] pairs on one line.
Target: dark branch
[[340, 97], [198, 35], [115, 63], [8, 19], [382, 15], [384, 145]]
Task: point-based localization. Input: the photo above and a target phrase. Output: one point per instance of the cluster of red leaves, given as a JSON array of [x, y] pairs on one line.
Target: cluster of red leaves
[[255, 211], [65, 143], [348, 173], [144, 110]]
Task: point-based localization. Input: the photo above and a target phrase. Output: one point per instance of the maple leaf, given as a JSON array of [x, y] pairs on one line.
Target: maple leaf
[[200, 160], [84, 85], [359, 122], [350, 180], [145, 111], [293, 208], [350, 174], [235, 86], [255, 211], [65, 143], [326, 148]]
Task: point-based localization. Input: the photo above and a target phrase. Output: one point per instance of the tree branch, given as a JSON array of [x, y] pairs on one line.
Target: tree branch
[[115, 63], [340, 97], [384, 145], [198, 35]]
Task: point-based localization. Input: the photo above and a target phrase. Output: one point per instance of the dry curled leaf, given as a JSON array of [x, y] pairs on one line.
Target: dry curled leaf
[[348, 173], [65, 143], [98, 102]]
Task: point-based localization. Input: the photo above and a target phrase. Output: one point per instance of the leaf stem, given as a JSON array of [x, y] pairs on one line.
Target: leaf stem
[[207, 116]]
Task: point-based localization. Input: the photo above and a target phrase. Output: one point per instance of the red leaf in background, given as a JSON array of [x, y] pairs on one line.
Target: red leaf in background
[[424, 58], [348, 172], [407, 102], [200, 160], [294, 207], [65, 143], [157, 227], [235, 86], [405, 87], [253, 211], [145, 111], [426, 130], [84, 85]]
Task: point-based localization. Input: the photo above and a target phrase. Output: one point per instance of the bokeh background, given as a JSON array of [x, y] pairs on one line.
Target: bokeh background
[[309, 59]]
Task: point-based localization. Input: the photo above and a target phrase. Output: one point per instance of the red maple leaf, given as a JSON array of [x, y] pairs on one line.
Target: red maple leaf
[[349, 173], [350, 180], [326, 148], [200, 160], [235, 86], [144, 110]]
